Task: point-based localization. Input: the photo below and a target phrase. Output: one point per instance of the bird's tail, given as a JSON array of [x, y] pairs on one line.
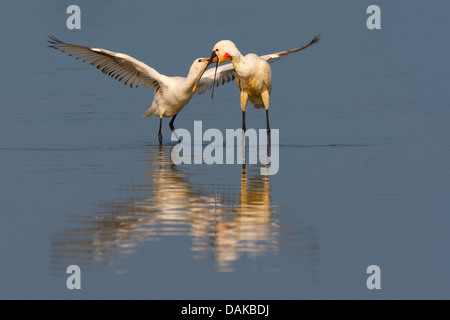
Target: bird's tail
[[147, 114], [151, 111]]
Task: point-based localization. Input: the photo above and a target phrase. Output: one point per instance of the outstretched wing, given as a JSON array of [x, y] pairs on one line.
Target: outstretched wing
[[277, 56], [225, 73], [120, 66]]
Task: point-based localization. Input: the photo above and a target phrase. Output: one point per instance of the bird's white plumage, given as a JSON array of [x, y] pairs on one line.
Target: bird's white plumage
[[253, 73], [251, 69]]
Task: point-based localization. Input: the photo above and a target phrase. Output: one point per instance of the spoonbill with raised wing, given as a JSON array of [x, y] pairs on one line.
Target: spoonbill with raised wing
[[253, 73], [171, 94]]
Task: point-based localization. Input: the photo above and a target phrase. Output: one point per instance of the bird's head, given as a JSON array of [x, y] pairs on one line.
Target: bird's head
[[197, 69], [224, 50], [199, 64]]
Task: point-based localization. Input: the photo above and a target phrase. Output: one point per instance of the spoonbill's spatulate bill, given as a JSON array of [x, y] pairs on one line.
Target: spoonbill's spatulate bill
[[253, 73], [171, 94]]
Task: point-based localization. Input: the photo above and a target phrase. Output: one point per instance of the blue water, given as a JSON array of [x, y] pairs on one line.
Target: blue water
[[364, 156]]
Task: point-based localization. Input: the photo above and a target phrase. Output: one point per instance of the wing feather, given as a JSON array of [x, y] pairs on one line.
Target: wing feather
[[278, 55], [119, 66], [225, 74]]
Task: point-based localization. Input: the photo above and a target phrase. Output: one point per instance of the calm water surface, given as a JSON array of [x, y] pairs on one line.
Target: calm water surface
[[364, 156]]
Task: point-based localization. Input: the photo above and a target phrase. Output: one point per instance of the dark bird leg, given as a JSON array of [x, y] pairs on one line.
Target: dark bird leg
[[159, 132], [268, 127], [172, 128], [243, 121]]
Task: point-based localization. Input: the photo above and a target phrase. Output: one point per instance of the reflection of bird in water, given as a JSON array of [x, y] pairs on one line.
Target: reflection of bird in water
[[173, 208], [224, 221], [251, 230], [178, 208]]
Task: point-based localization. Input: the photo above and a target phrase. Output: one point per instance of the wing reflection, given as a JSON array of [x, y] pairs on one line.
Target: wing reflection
[[223, 220]]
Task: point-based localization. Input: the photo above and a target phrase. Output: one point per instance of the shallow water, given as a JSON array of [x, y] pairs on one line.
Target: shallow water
[[363, 157]]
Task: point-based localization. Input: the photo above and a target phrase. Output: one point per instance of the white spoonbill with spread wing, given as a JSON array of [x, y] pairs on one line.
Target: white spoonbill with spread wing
[[171, 94], [253, 73]]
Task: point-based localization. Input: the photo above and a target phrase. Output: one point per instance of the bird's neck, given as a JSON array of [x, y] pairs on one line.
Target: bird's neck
[[238, 62], [236, 57], [191, 80]]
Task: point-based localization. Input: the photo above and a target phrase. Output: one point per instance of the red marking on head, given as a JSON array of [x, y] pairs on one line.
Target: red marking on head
[[226, 55]]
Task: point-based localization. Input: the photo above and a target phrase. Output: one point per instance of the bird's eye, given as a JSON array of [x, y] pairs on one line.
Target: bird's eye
[[217, 49], [199, 60]]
